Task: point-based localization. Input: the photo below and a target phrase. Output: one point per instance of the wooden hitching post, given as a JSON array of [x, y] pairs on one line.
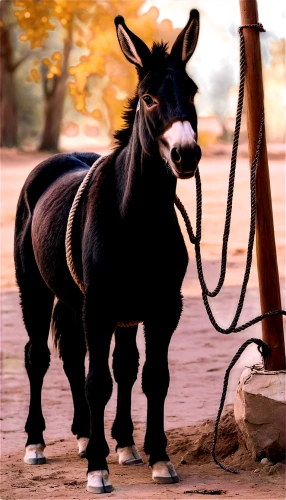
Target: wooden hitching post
[[272, 327]]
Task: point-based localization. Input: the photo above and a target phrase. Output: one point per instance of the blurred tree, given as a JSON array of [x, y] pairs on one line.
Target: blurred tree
[[8, 65], [30, 109], [88, 25], [54, 76], [8, 135]]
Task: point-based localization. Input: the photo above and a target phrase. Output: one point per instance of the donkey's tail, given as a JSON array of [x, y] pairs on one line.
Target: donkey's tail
[[66, 328], [56, 324]]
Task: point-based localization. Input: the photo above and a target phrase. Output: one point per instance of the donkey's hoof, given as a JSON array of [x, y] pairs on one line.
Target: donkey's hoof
[[82, 445], [98, 482], [129, 456], [164, 473], [34, 454]]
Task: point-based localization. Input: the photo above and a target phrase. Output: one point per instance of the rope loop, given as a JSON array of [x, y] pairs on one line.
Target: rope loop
[[257, 26]]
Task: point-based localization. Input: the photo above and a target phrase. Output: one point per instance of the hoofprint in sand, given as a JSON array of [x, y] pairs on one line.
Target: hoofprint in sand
[[198, 359]]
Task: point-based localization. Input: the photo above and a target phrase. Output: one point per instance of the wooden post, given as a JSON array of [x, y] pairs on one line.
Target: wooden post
[[272, 327]]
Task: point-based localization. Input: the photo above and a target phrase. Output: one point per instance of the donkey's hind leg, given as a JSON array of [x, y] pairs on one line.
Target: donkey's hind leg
[[69, 338], [37, 303], [125, 369]]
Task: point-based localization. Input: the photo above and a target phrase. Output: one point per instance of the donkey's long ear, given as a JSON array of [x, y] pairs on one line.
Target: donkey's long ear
[[134, 49], [186, 42]]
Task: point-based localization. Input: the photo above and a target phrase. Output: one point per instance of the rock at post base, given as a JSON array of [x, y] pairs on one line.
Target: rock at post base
[[259, 411]]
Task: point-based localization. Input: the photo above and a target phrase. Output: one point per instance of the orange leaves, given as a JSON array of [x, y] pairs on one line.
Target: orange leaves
[[33, 75], [37, 18], [53, 63], [100, 78]]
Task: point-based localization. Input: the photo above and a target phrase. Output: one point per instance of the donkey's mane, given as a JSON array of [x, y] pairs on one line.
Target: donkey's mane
[[122, 136], [159, 53]]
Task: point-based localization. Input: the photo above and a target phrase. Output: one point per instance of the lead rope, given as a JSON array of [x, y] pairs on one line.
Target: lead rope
[[195, 239], [264, 351]]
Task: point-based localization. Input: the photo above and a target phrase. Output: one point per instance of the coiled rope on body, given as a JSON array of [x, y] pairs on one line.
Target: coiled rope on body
[[196, 238], [68, 239]]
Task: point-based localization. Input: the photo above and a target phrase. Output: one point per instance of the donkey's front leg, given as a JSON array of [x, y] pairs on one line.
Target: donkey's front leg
[[99, 329], [155, 383], [125, 369]]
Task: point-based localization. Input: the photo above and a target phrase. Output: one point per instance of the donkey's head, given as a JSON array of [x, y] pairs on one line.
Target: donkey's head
[[166, 112]]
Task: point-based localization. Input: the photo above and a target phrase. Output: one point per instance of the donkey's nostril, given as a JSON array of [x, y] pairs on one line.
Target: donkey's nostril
[[198, 153], [175, 155]]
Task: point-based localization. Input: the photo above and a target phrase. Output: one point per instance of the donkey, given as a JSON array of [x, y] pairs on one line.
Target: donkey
[[128, 251]]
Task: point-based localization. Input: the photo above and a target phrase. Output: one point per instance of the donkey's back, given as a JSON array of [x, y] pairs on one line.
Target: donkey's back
[[44, 174], [40, 179]]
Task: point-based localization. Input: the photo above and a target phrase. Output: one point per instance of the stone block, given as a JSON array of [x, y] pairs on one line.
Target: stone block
[[259, 411]]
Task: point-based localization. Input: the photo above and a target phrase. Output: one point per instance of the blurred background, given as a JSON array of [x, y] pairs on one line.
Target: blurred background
[[64, 80]]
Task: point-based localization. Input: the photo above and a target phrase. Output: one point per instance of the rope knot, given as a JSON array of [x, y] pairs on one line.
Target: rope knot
[[258, 26]]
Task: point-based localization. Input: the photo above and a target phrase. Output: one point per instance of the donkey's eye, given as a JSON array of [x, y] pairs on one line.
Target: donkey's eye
[[148, 100]]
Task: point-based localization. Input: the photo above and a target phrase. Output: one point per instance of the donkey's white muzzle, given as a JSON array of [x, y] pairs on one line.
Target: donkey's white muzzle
[[179, 148]]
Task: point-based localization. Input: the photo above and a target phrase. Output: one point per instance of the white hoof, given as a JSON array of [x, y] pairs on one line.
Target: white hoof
[[129, 456], [82, 445], [34, 454], [98, 482], [164, 473]]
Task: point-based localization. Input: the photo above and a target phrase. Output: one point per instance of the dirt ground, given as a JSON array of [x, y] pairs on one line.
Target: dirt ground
[[198, 358]]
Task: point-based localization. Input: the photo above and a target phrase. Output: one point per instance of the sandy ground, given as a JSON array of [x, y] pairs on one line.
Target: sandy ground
[[198, 358]]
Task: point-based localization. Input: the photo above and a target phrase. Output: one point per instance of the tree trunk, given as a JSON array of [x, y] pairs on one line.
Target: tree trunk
[[9, 115], [54, 94], [8, 101], [54, 103]]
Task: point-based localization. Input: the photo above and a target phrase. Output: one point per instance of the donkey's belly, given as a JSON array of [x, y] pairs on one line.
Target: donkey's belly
[[133, 291], [130, 309], [146, 279], [128, 323]]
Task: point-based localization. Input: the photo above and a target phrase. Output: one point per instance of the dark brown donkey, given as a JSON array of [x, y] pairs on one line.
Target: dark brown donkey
[[129, 253]]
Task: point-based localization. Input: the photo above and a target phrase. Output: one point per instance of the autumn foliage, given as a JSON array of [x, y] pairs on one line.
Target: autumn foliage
[[68, 52], [72, 58]]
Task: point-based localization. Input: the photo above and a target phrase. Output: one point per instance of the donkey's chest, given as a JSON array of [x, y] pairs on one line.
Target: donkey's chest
[[140, 284], [154, 264]]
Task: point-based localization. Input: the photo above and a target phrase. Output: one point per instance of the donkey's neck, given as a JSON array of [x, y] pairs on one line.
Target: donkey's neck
[[143, 182]]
